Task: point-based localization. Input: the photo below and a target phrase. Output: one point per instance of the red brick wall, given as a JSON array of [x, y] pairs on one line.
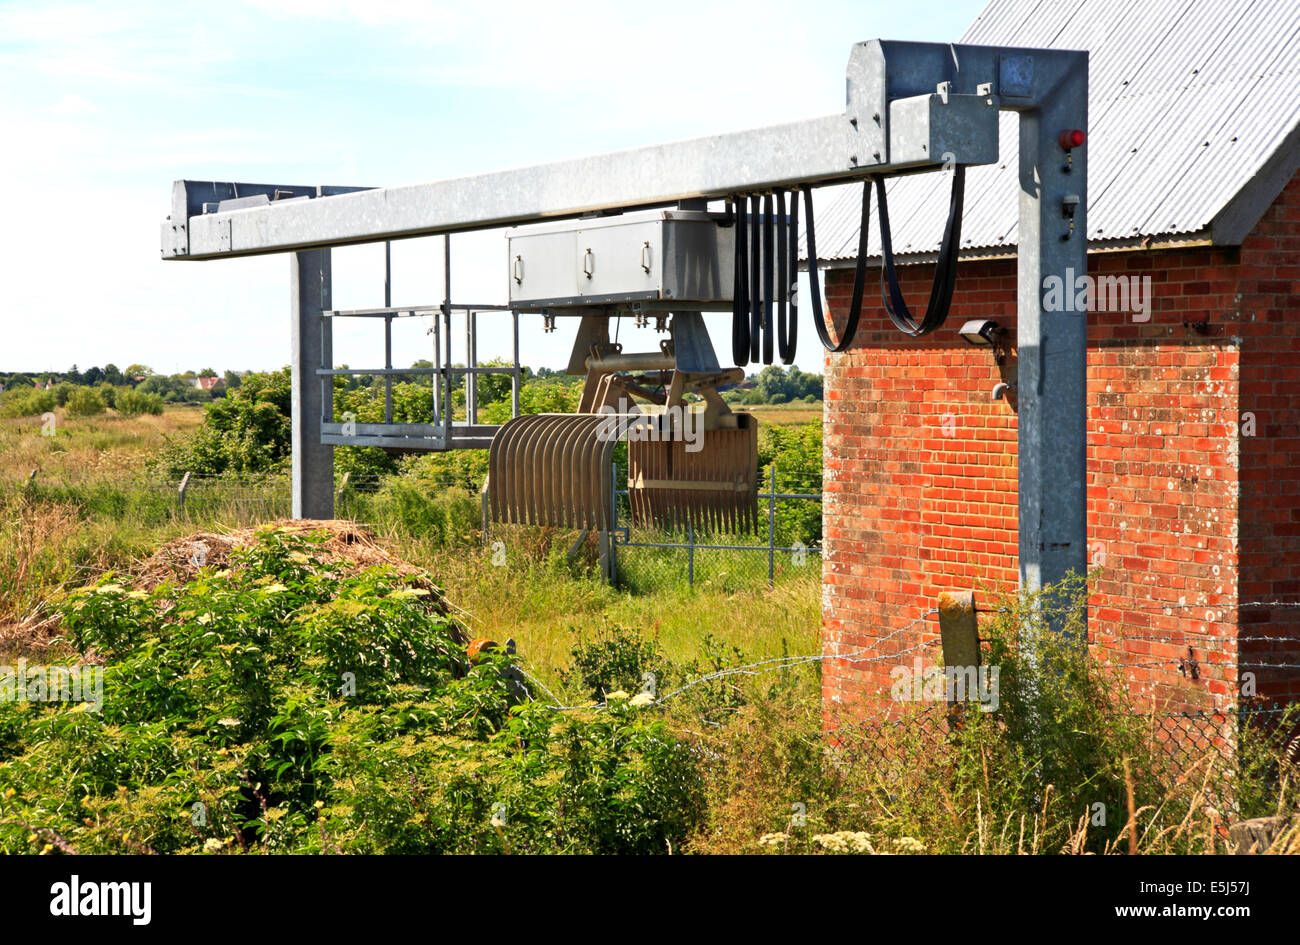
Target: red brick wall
[[1186, 518]]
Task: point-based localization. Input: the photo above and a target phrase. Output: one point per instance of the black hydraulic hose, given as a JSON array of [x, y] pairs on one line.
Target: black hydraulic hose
[[755, 288], [945, 271], [859, 274], [739, 295], [769, 278], [787, 273]]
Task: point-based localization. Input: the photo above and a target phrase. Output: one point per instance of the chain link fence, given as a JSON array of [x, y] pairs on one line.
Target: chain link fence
[[1208, 752]]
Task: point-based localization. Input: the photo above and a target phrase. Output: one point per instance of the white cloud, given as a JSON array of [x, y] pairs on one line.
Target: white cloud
[[71, 104]]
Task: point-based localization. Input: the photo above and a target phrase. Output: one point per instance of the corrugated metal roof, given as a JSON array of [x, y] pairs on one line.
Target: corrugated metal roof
[[1187, 101]]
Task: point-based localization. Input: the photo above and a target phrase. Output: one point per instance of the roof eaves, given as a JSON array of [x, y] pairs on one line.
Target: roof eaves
[[1238, 218], [1140, 244]]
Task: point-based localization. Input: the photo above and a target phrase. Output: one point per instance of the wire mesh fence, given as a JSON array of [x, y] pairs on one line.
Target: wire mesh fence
[[785, 546], [1208, 753]]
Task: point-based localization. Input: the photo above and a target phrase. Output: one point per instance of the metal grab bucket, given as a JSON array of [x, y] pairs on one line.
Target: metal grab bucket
[[712, 488], [553, 469]]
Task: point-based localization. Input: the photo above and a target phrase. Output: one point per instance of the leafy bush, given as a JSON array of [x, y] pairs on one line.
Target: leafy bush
[[133, 403], [26, 402], [282, 706], [84, 402], [248, 431], [557, 393], [616, 659]]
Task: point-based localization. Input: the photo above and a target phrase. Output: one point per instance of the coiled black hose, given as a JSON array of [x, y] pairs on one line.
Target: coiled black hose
[[769, 277], [787, 274], [755, 286], [945, 273], [859, 274], [739, 290], [945, 270]]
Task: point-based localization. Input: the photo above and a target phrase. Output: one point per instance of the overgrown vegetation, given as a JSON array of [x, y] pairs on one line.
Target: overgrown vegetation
[[281, 706], [1052, 768]]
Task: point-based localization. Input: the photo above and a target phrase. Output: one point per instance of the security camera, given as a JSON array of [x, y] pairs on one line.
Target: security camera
[[981, 331]]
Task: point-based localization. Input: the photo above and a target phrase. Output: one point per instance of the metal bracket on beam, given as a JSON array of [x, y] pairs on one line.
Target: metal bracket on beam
[[194, 198]]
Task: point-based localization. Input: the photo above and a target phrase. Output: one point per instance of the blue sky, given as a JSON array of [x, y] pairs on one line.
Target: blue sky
[[102, 105]]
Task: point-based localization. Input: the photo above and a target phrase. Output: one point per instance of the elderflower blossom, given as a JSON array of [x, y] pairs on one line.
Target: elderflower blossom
[[845, 841], [772, 839], [909, 844], [410, 592], [642, 699], [212, 844], [618, 695]]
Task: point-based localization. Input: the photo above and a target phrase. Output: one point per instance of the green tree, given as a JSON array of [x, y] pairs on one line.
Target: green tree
[[247, 431], [84, 402]]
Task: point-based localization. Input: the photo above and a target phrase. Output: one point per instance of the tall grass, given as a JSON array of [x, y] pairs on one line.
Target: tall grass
[[1055, 768]]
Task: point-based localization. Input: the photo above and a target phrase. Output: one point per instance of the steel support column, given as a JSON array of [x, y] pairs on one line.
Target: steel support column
[[313, 462], [1053, 341]]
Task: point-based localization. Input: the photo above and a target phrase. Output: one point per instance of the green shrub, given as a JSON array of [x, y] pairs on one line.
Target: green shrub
[[280, 705], [247, 431], [616, 658], [133, 403], [84, 402], [26, 402]]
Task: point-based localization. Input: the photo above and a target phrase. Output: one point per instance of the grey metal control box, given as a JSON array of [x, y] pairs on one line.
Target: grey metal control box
[[681, 257]]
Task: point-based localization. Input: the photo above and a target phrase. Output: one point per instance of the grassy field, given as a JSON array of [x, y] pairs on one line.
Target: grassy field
[[95, 506], [107, 445], [785, 415]]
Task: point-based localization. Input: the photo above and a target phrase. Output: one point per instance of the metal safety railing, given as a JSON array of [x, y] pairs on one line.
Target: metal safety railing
[[442, 432]]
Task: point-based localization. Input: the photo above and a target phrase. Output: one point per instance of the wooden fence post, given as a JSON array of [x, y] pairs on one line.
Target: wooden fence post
[[959, 634]]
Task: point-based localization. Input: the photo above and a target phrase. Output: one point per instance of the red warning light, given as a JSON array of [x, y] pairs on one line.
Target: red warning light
[[1071, 139]]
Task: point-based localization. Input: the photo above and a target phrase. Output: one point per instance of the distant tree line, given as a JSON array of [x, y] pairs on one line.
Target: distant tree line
[[130, 392], [181, 388], [776, 385]]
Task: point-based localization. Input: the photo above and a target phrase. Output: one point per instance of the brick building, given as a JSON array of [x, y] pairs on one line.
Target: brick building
[[1194, 394]]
